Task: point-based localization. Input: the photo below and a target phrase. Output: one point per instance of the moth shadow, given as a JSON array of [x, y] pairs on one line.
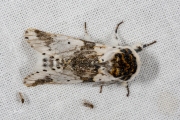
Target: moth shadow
[[149, 69]]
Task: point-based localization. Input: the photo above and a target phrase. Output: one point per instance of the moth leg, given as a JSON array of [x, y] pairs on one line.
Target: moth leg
[[101, 89], [115, 38], [86, 35], [146, 45], [127, 87], [99, 84], [125, 83], [138, 46]]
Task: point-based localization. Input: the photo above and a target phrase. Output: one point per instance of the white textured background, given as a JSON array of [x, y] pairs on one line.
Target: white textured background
[[155, 93]]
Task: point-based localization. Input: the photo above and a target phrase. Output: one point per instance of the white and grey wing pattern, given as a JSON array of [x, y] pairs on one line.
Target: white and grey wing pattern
[[64, 59]]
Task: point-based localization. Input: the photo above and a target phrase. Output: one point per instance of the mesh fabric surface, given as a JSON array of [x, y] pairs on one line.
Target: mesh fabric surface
[[155, 92]]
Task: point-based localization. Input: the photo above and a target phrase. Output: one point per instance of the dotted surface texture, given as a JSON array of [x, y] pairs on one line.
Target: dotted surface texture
[[155, 92]]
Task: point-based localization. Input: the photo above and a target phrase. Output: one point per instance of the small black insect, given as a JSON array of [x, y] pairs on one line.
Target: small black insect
[[88, 104], [21, 97]]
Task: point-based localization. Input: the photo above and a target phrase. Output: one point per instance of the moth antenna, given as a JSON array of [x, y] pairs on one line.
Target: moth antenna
[[138, 47], [146, 45]]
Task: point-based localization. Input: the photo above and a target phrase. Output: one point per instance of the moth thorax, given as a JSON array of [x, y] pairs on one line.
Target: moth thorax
[[124, 64]]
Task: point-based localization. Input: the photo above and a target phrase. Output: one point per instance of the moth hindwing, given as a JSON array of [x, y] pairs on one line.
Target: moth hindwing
[[63, 59]]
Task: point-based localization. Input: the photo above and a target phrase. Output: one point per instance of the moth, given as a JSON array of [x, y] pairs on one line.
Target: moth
[[88, 104], [63, 59], [21, 97]]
